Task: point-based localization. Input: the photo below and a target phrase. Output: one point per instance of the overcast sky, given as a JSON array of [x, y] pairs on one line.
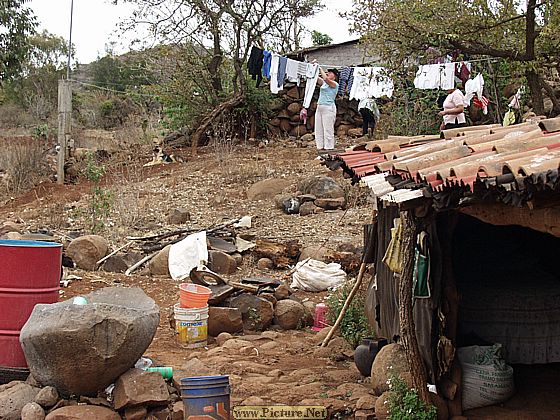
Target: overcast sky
[[95, 23]]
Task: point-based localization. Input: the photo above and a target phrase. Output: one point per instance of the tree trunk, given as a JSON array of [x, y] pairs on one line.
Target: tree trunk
[[407, 327], [224, 106], [536, 91]]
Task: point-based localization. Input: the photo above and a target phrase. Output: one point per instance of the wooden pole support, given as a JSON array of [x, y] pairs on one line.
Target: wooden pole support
[[64, 125]]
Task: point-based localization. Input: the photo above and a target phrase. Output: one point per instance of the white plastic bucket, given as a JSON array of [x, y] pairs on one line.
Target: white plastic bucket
[[191, 326]]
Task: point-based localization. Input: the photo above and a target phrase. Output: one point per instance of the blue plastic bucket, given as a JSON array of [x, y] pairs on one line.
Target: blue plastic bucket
[[206, 396]]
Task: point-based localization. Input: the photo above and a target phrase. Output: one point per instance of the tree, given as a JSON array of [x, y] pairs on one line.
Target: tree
[[319, 38], [525, 34], [17, 24], [222, 33]]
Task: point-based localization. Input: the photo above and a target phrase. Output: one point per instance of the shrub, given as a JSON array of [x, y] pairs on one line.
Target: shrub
[[354, 326], [405, 404]]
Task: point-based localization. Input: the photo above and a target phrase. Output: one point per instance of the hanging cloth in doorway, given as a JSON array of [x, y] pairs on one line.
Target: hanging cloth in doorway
[[421, 273], [394, 256]]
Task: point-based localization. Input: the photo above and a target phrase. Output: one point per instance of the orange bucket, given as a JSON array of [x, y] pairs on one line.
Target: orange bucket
[[193, 295]]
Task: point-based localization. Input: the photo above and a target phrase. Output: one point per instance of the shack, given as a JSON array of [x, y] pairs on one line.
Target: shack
[[484, 205]]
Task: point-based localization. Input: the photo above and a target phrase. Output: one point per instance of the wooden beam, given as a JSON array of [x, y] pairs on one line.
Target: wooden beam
[[64, 125], [545, 220]]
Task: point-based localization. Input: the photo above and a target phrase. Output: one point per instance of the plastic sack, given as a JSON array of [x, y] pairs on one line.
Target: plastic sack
[[316, 276], [187, 254], [487, 379]]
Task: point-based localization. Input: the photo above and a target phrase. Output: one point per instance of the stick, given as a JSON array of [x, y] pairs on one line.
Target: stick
[[139, 263], [114, 252], [346, 305], [158, 235]]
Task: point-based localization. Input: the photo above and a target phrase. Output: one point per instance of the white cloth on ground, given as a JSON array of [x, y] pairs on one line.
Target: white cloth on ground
[[187, 254], [435, 76], [371, 82], [316, 276], [325, 117], [311, 74]]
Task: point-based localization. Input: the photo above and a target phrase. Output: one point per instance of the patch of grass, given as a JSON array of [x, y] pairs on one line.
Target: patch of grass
[[405, 404]]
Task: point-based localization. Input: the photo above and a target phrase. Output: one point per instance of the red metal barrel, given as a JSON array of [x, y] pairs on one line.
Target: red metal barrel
[[29, 274]]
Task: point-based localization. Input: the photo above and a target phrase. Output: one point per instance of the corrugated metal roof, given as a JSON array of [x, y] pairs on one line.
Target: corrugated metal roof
[[492, 157]]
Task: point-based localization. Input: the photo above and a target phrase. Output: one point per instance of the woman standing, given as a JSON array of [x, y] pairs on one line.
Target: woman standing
[[325, 115], [453, 110]]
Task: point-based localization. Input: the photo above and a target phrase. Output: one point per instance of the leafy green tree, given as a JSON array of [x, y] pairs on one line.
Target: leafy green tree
[[319, 38], [17, 24], [524, 33]]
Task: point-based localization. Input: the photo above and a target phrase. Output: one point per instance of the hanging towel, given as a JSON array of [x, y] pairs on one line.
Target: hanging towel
[[292, 73], [282, 61], [481, 102], [311, 75], [274, 63], [255, 64], [473, 87], [421, 272], [435, 76], [371, 82], [345, 79], [394, 256], [267, 56]]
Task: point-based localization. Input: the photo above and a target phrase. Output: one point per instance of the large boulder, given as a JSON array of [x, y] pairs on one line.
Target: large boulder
[[289, 314], [224, 320], [32, 411], [138, 387], [81, 412], [86, 250], [267, 188], [221, 263], [13, 397], [321, 187], [391, 360], [257, 313], [159, 265], [81, 349]]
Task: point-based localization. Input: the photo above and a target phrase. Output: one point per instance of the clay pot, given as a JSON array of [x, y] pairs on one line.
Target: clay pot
[[365, 353]]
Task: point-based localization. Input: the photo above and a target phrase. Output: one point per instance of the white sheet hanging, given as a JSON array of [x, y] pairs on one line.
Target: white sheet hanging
[[472, 87], [435, 76], [371, 82]]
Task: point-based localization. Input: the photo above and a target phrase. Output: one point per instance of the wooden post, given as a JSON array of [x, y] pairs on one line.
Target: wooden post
[[407, 327], [64, 125]]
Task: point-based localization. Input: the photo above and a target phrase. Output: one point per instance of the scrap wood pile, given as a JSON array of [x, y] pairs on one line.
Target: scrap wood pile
[[508, 163]]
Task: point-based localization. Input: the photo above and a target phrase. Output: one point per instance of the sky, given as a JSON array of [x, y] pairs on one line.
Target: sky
[[95, 24]]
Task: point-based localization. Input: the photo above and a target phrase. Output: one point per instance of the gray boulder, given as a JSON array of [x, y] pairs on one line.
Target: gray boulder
[[138, 387], [321, 187], [159, 265], [82, 412], [81, 349], [289, 315], [32, 411], [86, 250], [257, 313], [267, 188]]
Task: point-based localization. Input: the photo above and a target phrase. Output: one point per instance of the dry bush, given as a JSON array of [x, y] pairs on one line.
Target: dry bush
[[12, 116], [22, 166]]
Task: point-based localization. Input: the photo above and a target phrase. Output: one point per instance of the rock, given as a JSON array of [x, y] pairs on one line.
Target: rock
[[86, 250], [321, 335], [321, 187], [159, 265], [177, 411], [224, 320], [138, 387], [290, 205], [267, 188], [257, 313], [95, 401], [253, 401], [382, 406], [221, 263], [355, 132], [282, 292], [13, 236], [308, 137], [32, 411], [115, 264], [309, 208], [238, 258], [13, 397], [47, 397], [159, 414], [391, 360], [222, 338], [364, 414], [315, 252], [131, 258], [179, 216], [265, 264], [10, 227], [280, 198], [81, 412], [270, 297], [289, 314], [309, 318], [104, 338], [195, 367], [367, 402], [331, 203], [135, 413]]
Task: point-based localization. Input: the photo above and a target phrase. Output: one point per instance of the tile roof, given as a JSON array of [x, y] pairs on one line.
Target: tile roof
[[469, 161]]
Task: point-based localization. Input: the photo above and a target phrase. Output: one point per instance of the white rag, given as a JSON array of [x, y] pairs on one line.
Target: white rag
[[316, 276], [371, 82], [187, 254], [435, 76]]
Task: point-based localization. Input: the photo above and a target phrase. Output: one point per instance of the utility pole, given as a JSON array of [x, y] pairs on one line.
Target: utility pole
[[65, 110]]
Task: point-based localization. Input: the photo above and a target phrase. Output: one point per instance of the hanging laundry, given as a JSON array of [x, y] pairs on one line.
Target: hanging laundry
[[463, 71], [345, 79], [481, 102], [255, 64], [267, 56], [274, 63], [292, 74], [311, 75], [435, 76], [282, 61], [509, 118], [303, 115], [421, 271], [473, 87], [371, 82]]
